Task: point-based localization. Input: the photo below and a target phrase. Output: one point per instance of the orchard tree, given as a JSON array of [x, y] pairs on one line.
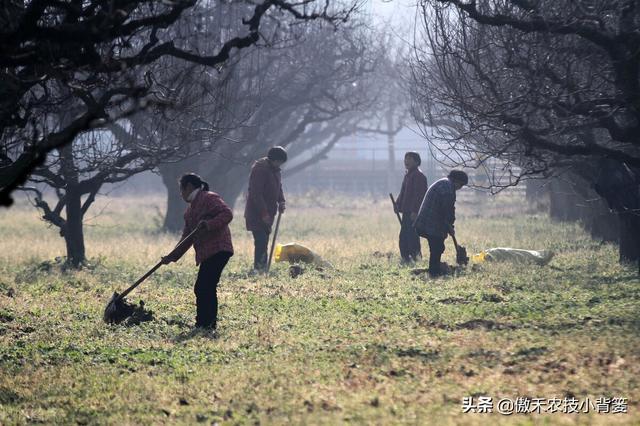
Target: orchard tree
[[79, 170], [175, 88], [311, 89], [55, 53], [544, 86]]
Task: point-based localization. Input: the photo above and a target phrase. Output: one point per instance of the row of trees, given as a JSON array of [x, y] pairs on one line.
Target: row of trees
[[203, 87], [105, 61], [549, 87], [327, 86]]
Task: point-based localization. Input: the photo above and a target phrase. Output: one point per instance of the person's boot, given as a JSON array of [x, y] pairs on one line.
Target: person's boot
[[406, 262], [435, 272], [205, 330]]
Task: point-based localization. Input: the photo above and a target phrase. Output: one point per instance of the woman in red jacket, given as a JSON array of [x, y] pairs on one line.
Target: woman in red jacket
[[212, 242]]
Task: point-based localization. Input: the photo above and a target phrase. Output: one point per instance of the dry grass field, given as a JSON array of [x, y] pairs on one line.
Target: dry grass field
[[365, 342]]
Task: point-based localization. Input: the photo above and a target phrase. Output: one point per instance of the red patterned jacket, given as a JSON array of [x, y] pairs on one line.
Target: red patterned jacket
[[210, 207]]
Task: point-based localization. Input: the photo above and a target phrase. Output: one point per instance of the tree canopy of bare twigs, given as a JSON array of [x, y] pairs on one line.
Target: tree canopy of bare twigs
[[97, 55], [158, 80], [536, 84], [314, 87]]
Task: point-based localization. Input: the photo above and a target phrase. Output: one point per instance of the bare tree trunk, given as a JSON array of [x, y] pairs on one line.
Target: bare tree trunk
[[229, 184], [562, 201], [619, 185], [629, 237], [173, 219], [535, 190], [602, 224], [73, 232], [573, 201]]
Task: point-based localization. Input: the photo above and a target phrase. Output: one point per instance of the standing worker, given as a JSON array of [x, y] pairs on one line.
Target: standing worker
[[437, 215], [414, 186], [264, 200], [211, 216]]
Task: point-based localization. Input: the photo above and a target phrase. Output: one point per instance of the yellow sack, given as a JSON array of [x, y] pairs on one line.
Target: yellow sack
[[297, 253], [479, 257], [500, 254]]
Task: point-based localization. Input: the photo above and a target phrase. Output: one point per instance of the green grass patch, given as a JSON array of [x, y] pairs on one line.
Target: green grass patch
[[366, 342]]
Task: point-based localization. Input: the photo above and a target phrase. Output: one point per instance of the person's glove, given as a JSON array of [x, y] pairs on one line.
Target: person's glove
[[281, 207]]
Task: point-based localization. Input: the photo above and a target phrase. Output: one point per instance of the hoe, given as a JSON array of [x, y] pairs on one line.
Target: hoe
[[118, 309]]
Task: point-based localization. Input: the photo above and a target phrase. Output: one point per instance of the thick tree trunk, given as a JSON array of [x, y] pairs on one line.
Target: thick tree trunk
[[603, 224], [535, 190], [629, 237], [230, 183], [576, 201], [562, 202], [619, 185], [173, 219], [73, 232], [537, 194]]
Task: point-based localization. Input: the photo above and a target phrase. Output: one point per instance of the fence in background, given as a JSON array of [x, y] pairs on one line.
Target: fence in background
[[368, 174]]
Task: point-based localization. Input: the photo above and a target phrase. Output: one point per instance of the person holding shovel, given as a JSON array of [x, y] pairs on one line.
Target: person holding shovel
[[437, 214], [209, 214], [414, 186], [264, 199]]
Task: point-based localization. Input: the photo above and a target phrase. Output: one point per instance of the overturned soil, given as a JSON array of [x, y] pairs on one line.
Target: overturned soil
[[129, 314]]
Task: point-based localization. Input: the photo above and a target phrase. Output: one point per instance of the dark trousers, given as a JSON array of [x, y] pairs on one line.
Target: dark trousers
[[206, 289], [261, 243], [409, 240], [436, 248]]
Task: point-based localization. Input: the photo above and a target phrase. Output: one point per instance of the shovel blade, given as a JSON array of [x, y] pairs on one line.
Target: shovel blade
[[117, 310], [111, 310]]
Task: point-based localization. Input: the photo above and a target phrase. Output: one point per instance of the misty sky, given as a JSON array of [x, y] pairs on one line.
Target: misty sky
[[400, 13]]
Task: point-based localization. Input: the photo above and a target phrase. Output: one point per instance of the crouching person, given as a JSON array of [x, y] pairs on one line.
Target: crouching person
[[414, 186], [437, 215], [212, 242]]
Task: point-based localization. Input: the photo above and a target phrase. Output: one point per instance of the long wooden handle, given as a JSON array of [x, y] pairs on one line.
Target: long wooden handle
[[453, 237], [187, 240], [156, 266], [273, 243], [395, 208], [140, 280]]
